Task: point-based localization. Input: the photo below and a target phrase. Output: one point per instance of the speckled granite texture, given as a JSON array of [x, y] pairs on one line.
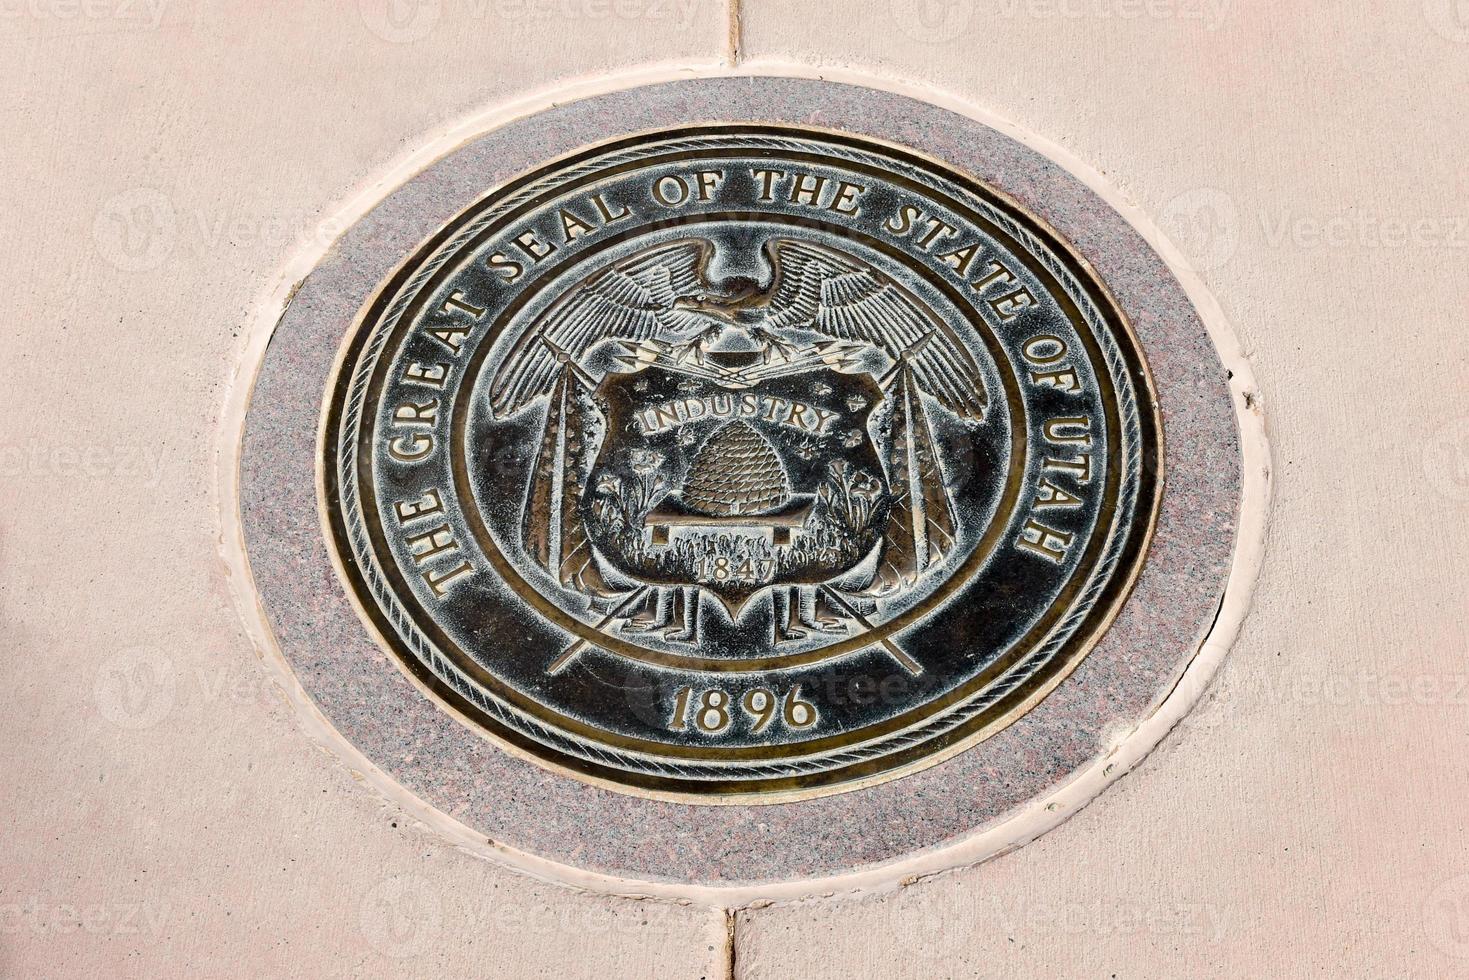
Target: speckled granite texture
[[372, 705]]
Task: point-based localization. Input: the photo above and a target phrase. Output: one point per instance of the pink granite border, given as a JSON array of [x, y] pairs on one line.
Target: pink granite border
[[516, 803]]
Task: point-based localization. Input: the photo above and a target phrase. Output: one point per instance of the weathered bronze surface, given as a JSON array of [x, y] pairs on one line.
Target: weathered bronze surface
[[741, 461]]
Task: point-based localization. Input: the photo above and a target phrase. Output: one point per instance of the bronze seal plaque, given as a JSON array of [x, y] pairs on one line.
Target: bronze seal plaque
[[741, 462]]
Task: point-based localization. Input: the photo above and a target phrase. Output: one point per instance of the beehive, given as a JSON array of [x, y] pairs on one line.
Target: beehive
[[736, 471]]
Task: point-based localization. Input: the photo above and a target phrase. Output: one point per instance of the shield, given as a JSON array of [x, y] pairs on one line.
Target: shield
[[732, 477]]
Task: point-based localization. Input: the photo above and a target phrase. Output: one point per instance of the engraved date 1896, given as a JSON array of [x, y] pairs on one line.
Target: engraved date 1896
[[711, 712]]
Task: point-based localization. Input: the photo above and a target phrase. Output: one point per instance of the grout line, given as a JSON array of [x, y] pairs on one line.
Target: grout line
[[733, 49], [731, 916]]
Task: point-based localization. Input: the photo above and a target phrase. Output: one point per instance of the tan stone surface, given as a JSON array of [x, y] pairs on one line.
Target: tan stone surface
[[166, 816], [1309, 818], [163, 814]]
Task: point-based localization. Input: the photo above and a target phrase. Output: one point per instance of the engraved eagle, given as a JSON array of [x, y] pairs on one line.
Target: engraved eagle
[[666, 293], [797, 333]]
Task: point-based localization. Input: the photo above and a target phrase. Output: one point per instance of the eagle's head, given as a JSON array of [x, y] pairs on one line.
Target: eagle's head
[[726, 299]]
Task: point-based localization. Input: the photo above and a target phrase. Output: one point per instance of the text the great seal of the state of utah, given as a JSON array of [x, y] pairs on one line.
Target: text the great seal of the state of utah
[[741, 461]]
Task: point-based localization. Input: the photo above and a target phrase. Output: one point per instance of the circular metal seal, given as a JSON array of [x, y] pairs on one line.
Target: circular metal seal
[[741, 461]]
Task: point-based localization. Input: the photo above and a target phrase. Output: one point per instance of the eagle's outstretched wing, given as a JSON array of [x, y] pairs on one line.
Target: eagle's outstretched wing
[[632, 299], [817, 288]]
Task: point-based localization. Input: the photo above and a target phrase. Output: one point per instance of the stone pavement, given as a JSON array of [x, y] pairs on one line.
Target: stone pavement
[[168, 812]]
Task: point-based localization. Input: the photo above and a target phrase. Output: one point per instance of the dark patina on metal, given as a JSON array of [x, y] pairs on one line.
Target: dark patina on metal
[[741, 462]]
